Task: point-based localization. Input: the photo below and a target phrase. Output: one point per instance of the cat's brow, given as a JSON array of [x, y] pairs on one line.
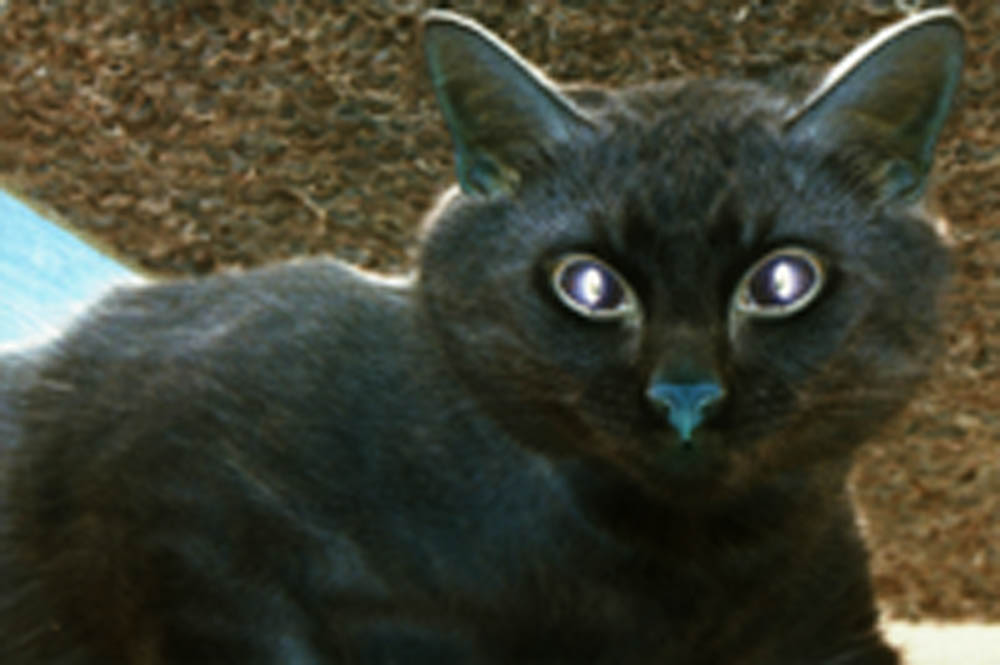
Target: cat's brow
[[732, 223], [640, 227], [724, 223], [603, 232]]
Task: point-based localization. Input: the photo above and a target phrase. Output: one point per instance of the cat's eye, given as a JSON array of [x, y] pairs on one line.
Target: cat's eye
[[780, 284], [592, 288]]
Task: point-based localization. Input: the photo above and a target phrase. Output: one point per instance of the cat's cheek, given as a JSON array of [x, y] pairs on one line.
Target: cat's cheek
[[590, 350], [629, 350], [740, 328], [735, 326]]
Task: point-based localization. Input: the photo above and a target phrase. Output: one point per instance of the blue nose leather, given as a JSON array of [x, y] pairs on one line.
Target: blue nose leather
[[685, 403]]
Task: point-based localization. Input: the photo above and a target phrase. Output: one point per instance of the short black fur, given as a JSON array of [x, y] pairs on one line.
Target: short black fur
[[307, 464]]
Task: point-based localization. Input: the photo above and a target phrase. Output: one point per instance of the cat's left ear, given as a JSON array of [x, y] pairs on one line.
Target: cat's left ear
[[503, 114], [885, 103]]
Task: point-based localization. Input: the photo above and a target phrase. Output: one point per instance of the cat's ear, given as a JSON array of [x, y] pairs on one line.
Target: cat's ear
[[885, 103], [503, 114]]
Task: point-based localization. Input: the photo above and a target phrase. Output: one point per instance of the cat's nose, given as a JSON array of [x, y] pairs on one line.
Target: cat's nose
[[685, 404]]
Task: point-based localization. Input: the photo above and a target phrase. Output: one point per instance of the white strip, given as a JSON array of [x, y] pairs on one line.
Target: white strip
[[946, 643]]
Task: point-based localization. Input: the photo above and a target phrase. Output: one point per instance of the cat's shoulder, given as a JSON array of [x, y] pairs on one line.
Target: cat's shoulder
[[297, 296], [248, 329], [214, 345]]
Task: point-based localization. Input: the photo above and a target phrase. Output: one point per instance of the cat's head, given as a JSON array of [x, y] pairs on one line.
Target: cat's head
[[695, 281]]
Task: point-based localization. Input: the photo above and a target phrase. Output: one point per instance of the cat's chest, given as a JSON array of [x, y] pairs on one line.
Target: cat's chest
[[591, 607], [535, 576]]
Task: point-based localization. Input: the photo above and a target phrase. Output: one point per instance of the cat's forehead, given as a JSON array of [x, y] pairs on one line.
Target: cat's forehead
[[688, 131], [682, 156]]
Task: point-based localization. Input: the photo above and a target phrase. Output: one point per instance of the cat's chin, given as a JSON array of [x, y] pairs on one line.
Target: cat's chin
[[640, 495], [697, 468], [695, 460]]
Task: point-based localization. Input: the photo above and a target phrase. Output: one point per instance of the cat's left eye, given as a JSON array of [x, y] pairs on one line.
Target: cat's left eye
[[592, 288], [780, 284]]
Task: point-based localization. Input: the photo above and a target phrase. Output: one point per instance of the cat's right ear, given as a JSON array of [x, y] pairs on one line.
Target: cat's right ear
[[885, 102], [503, 114]]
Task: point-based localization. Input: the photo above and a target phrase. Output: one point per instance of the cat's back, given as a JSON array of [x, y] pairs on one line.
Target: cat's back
[[234, 331], [237, 460], [245, 360], [190, 317], [193, 435]]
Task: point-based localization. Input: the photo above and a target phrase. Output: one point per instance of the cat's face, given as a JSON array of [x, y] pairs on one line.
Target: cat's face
[[688, 282]]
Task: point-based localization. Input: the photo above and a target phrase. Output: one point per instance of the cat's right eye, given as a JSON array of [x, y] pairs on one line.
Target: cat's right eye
[[780, 284], [591, 288]]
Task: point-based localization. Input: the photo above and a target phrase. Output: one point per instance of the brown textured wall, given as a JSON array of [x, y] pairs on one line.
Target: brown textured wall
[[192, 136]]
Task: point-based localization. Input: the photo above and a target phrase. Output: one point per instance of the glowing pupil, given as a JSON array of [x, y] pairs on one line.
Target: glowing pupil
[[782, 281], [785, 284], [591, 286]]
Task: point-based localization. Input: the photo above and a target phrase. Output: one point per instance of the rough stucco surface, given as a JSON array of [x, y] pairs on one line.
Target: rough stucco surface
[[196, 136]]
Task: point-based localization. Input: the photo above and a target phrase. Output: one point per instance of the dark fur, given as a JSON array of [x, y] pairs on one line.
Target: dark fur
[[301, 464]]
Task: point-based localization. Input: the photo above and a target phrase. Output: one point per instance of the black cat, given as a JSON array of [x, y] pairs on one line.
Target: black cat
[[607, 420]]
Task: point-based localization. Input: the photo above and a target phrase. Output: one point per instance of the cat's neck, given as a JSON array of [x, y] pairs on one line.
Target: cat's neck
[[692, 517]]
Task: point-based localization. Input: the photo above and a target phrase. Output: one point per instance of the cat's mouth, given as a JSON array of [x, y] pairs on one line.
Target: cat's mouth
[[695, 450], [699, 458]]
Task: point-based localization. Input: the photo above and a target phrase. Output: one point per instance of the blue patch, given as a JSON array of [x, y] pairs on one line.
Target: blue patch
[[47, 275]]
